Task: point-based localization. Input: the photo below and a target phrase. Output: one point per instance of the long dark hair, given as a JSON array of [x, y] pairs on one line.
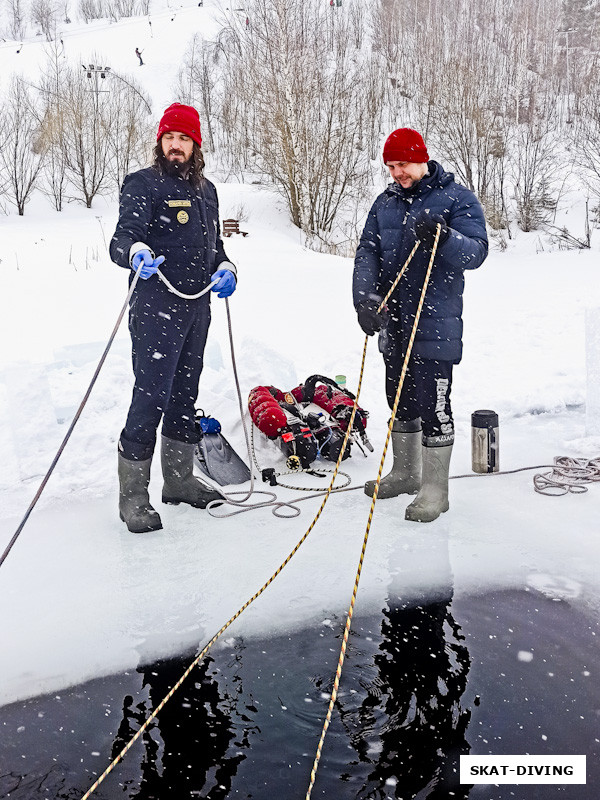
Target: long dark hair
[[195, 166]]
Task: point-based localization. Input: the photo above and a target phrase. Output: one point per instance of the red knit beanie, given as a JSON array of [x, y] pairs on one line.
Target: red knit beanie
[[405, 144], [183, 119]]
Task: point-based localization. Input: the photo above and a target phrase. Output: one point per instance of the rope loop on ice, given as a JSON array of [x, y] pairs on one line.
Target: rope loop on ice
[[567, 476]]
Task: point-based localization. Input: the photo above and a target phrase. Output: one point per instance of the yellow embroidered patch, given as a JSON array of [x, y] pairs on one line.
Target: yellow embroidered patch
[[179, 203], [182, 216]]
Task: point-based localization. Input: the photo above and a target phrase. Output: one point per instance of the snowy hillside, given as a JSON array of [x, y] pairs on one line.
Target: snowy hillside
[[162, 37], [79, 596]]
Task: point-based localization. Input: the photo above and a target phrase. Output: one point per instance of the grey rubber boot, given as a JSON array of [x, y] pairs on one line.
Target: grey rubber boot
[[432, 499], [134, 502], [180, 486], [405, 475]]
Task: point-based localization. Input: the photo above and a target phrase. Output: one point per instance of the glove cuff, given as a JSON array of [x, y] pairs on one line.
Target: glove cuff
[[228, 265], [371, 296], [136, 247]]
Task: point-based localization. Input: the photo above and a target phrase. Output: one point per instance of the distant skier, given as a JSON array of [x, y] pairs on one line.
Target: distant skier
[[168, 218], [138, 53], [421, 195]]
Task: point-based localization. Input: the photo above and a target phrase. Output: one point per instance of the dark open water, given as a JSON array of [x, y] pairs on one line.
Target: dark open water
[[420, 686]]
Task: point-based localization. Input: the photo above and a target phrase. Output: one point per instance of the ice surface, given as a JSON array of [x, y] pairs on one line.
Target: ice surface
[[80, 596]]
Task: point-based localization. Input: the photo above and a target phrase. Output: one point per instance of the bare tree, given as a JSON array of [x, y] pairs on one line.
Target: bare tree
[[197, 83], [112, 9], [52, 128], [91, 9], [21, 154], [15, 19], [43, 14], [534, 173], [86, 125], [303, 119], [129, 138], [585, 133]]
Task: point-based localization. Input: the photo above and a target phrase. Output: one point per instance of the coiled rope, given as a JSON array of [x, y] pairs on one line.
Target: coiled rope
[[271, 502], [567, 476]]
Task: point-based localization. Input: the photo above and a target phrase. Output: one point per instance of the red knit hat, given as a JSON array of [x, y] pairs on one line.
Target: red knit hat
[[181, 118], [405, 144]]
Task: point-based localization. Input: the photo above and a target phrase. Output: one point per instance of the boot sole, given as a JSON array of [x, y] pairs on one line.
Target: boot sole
[[145, 529], [369, 488], [174, 501], [424, 518]]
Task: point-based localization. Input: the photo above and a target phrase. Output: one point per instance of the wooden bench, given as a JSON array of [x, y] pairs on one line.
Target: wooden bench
[[232, 226]]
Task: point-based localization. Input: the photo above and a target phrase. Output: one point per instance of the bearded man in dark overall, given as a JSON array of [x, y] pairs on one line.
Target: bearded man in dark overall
[[422, 196], [168, 219]]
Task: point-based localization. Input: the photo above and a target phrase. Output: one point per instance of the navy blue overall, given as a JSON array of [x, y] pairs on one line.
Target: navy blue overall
[[168, 333]]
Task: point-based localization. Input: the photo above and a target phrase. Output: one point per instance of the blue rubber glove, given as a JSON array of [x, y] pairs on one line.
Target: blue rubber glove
[[150, 264], [227, 282]]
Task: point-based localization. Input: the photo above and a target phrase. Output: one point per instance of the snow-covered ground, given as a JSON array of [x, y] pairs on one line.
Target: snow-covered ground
[[80, 596]]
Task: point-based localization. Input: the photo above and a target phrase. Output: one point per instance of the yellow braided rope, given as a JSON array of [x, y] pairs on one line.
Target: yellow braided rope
[[197, 660], [119, 757], [399, 275], [338, 672]]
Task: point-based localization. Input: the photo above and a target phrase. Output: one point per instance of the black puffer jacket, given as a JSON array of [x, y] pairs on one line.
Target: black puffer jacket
[[174, 220], [386, 242]]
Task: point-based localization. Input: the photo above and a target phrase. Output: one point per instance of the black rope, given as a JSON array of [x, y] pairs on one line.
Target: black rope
[[46, 478]]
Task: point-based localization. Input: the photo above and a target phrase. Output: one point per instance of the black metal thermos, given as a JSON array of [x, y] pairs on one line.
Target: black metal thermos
[[485, 445]]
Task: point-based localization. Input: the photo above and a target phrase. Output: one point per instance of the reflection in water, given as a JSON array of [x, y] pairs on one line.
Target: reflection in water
[[404, 719], [400, 712], [410, 725], [192, 743]]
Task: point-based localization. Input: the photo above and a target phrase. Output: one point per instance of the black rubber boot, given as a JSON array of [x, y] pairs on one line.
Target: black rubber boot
[[405, 476], [432, 499], [181, 486], [134, 502]]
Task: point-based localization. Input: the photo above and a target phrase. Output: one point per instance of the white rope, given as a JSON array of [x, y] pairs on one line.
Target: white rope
[[271, 502], [183, 296], [568, 475]]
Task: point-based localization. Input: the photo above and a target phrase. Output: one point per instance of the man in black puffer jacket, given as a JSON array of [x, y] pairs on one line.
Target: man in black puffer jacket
[[421, 196], [168, 219]]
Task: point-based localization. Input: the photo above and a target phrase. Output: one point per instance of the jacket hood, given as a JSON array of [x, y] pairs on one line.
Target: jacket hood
[[438, 178]]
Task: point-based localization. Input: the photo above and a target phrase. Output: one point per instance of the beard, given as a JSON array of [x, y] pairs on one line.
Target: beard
[[175, 169], [192, 170]]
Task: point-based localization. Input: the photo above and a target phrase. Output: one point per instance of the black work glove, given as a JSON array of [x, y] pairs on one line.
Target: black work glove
[[426, 227], [368, 318]]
